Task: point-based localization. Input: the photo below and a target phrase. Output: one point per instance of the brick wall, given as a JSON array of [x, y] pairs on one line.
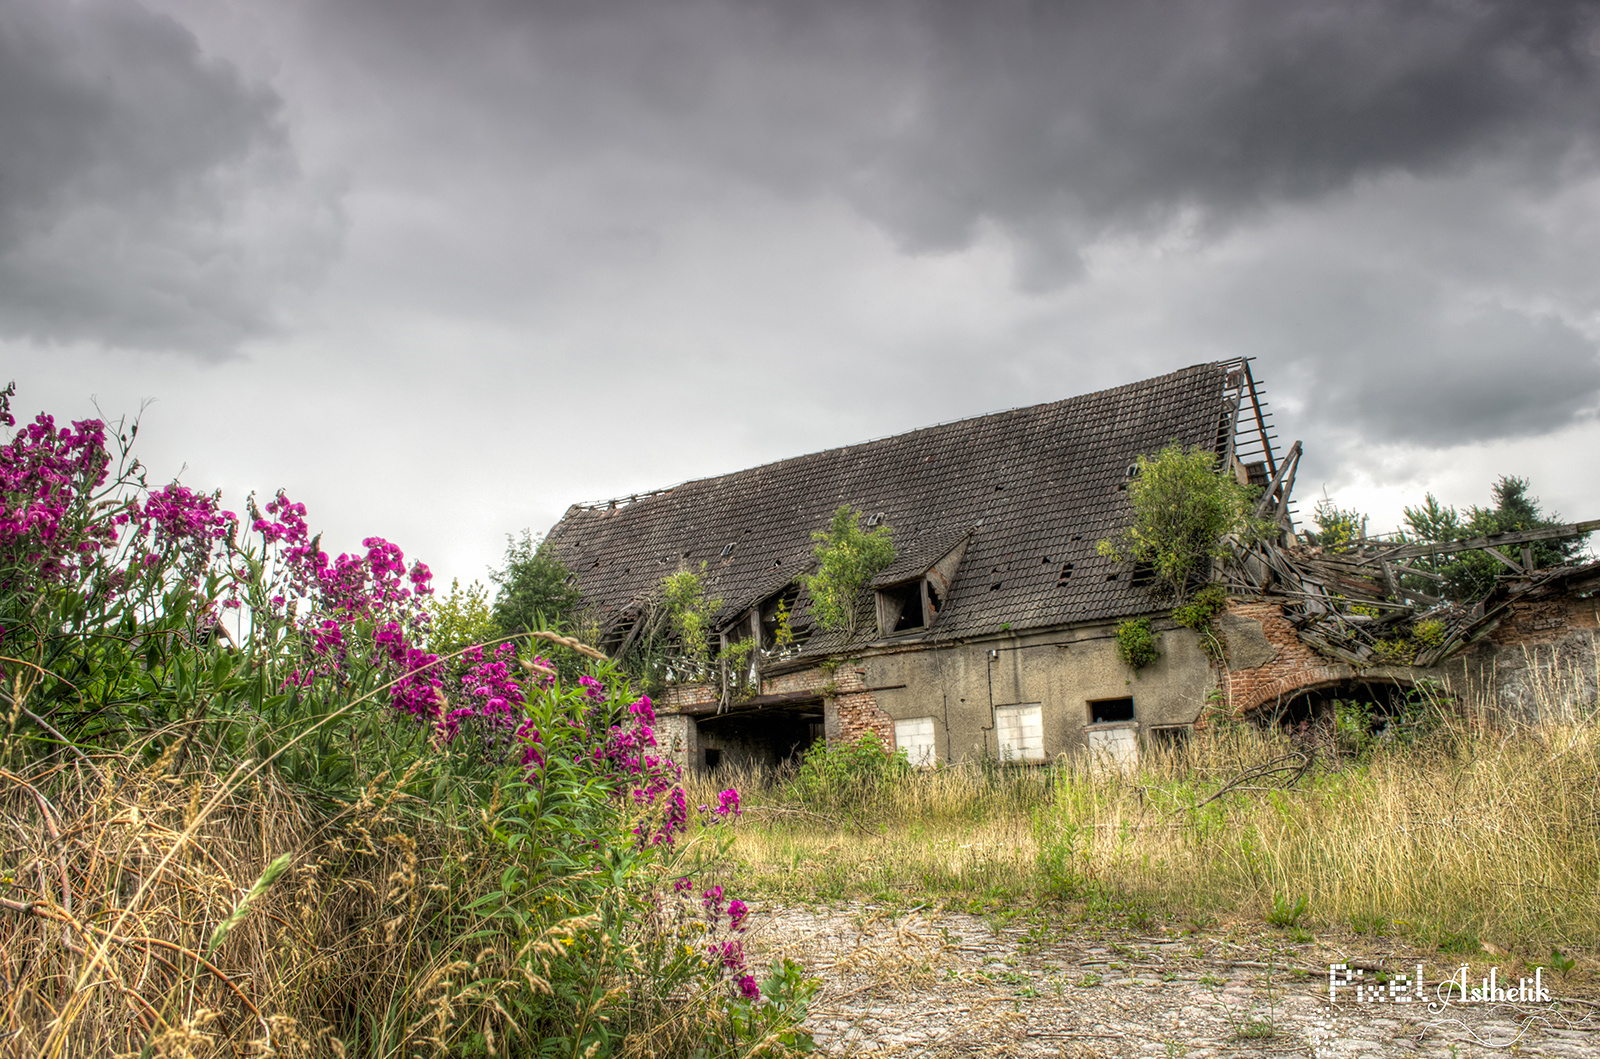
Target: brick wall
[[850, 711], [689, 698], [1295, 667]]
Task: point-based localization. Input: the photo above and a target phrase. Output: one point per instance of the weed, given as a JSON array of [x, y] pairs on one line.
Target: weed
[[1561, 963], [1286, 913]]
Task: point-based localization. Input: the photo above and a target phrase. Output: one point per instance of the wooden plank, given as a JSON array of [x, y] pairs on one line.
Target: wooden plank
[[1498, 554], [1434, 548], [1289, 460], [1255, 401]]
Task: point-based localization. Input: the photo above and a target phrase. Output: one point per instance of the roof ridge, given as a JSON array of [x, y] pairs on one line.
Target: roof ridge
[[621, 501]]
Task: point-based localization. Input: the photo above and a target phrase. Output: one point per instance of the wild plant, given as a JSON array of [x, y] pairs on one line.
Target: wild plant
[[256, 810]]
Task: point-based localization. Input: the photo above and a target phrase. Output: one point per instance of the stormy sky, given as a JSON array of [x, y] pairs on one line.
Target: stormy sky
[[441, 269]]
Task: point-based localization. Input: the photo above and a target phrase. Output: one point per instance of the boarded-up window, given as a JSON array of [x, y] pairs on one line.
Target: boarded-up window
[[1019, 731], [915, 737]]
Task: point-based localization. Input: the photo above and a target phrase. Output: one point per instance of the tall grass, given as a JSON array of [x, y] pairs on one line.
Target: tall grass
[[1463, 834]]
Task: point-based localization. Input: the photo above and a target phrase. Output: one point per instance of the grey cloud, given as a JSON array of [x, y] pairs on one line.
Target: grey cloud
[[1383, 353], [149, 197], [1117, 117], [1056, 123]]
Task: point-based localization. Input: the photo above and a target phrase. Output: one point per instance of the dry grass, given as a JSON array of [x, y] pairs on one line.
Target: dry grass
[[1469, 834], [116, 881]]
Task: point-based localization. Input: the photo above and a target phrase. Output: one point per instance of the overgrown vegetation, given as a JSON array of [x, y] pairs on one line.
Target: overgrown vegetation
[[847, 559], [535, 590], [689, 617], [254, 813], [1136, 644], [1468, 576], [1420, 836], [1183, 508]]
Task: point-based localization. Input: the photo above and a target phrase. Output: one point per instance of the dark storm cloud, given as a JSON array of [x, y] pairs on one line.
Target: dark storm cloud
[[1062, 122], [148, 196]]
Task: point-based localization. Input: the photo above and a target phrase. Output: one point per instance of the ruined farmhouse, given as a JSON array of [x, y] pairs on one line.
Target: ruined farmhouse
[[994, 630]]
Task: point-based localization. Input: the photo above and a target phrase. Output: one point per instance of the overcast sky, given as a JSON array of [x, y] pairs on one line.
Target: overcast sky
[[441, 269]]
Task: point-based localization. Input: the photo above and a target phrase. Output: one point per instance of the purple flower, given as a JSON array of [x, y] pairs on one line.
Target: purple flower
[[737, 910], [748, 988]]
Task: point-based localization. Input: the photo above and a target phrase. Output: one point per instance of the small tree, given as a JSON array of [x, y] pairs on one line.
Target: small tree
[[689, 615], [847, 559], [1337, 527], [460, 619], [1182, 508], [534, 590]]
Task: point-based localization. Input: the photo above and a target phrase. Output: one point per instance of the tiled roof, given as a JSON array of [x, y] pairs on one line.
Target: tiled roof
[[1037, 487]]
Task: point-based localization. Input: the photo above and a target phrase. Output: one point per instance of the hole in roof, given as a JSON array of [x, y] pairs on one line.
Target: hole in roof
[[1076, 537], [777, 562], [1045, 561], [997, 488], [1066, 572], [727, 551], [996, 585], [1113, 575]]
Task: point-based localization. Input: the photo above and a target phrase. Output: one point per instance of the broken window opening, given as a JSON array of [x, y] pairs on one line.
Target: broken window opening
[[900, 607], [1066, 573], [1110, 711], [728, 550], [934, 602]]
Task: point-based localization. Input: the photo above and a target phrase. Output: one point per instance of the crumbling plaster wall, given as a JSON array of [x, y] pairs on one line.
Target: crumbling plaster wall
[[1541, 657], [959, 684]]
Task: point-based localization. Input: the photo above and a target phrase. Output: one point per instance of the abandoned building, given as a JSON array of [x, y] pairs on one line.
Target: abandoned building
[[993, 631]]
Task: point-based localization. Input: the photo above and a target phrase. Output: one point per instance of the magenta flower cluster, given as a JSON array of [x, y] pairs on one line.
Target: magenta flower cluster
[[348, 614], [47, 480], [728, 952]]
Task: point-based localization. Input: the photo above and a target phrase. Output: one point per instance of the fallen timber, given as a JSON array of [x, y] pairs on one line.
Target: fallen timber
[[1350, 603]]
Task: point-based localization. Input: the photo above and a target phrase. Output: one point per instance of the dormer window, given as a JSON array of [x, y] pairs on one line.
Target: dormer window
[[904, 607], [912, 592]]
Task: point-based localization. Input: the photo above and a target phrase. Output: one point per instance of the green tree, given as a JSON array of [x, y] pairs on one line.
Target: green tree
[[1470, 575], [1336, 527], [690, 614], [535, 590], [461, 619], [847, 559], [1182, 509]]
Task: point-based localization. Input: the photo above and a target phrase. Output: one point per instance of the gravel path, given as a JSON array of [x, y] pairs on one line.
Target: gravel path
[[948, 984]]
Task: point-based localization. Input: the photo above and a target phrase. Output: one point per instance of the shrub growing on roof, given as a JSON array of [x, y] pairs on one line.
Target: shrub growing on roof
[[1182, 508], [847, 559]]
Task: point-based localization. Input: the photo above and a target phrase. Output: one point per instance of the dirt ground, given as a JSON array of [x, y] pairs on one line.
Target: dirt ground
[[949, 984]]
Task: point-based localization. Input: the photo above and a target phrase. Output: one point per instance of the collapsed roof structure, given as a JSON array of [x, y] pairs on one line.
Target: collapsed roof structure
[[994, 629]]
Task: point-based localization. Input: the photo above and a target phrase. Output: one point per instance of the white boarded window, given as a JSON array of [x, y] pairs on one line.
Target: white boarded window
[[915, 737], [1019, 730]]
